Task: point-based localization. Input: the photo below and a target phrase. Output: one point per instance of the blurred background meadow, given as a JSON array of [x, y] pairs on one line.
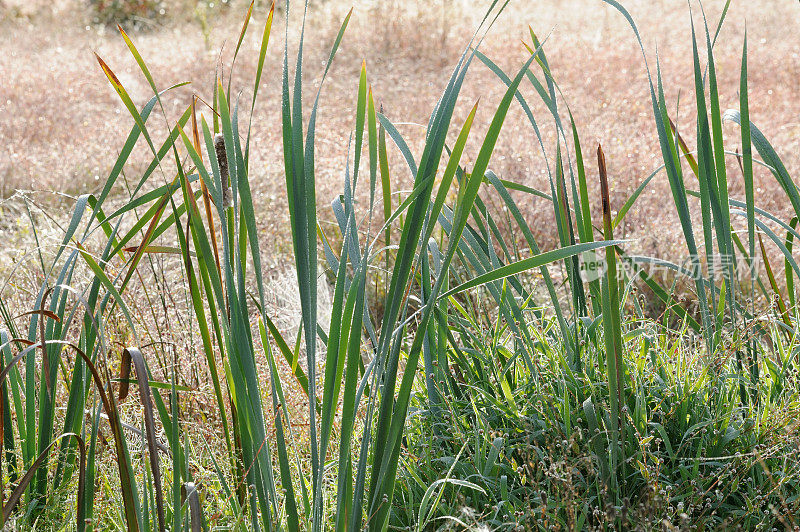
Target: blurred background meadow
[[61, 117]]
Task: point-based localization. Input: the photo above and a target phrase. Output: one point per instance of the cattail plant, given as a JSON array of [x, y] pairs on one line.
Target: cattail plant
[[612, 328]]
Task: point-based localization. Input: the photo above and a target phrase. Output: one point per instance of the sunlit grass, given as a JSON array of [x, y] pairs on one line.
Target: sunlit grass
[[569, 411]]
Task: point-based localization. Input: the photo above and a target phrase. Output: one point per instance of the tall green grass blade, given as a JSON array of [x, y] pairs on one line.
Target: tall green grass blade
[[242, 33], [747, 151]]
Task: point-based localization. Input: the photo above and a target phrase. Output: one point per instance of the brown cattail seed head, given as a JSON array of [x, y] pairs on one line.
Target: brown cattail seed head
[[601, 163], [222, 160]]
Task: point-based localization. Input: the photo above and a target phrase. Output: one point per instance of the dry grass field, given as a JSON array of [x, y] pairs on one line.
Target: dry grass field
[[62, 126], [62, 123]]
